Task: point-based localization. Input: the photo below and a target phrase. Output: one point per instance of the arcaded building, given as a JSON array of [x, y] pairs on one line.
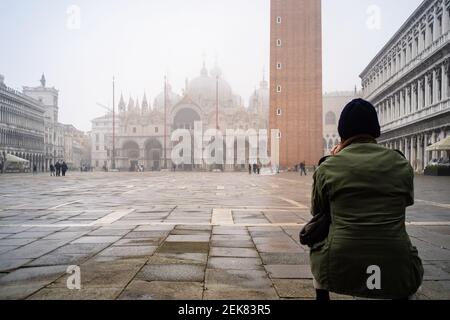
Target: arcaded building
[[296, 80], [21, 126], [409, 83]]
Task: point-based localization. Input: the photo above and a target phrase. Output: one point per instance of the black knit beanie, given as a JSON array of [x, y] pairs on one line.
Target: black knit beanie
[[359, 117]]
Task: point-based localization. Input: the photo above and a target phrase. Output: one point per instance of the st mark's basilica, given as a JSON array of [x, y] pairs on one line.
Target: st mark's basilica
[[140, 137]]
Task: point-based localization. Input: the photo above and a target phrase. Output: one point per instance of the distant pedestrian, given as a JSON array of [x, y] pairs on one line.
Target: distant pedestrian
[[34, 169], [64, 169], [254, 168], [58, 169], [258, 169], [250, 169], [52, 170], [303, 169]]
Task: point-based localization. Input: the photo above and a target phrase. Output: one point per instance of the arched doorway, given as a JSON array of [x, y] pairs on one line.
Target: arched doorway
[[130, 150], [153, 155], [185, 119]]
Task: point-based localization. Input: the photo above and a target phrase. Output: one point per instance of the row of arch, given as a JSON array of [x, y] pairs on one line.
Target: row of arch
[[328, 144], [34, 159]]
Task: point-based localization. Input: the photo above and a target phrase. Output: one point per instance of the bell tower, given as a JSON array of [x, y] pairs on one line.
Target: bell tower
[[296, 80]]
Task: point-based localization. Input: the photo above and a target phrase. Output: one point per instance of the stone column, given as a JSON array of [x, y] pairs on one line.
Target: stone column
[[437, 74], [413, 153], [428, 79], [445, 84], [401, 98], [419, 94], [419, 153]]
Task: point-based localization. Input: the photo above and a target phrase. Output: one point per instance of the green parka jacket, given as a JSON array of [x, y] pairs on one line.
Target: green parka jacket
[[366, 188]]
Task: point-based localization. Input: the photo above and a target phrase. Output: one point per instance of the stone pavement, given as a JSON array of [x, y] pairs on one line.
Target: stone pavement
[[181, 236]]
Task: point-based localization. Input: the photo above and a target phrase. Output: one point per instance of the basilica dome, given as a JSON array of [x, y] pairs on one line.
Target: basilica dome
[[203, 88], [172, 99]]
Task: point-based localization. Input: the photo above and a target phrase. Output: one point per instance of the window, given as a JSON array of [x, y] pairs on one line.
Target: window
[[279, 134], [156, 129], [416, 46], [278, 20], [279, 66], [278, 89], [96, 163], [279, 112], [279, 43], [439, 33], [431, 33], [134, 130], [97, 137]]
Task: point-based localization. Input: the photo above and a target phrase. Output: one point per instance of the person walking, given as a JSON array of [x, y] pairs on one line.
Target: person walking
[[58, 168], [365, 189], [34, 169], [249, 169], [303, 168], [52, 170], [64, 169]]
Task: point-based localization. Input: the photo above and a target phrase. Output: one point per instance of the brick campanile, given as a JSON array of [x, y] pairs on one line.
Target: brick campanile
[[296, 80]]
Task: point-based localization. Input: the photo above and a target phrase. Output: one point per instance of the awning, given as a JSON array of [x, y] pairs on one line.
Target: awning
[[13, 159], [443, 145]]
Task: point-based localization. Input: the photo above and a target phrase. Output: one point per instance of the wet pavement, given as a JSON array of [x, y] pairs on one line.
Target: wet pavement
[[181, 236]]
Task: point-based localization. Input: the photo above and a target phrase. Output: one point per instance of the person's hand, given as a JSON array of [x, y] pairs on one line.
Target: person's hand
[[336, 149]]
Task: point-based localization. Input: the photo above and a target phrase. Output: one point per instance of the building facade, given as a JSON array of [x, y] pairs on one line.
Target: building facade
[[333, 104], [409, 84], [54, 131], [21, 127], [296, 80], [74, 153], [143, 139]]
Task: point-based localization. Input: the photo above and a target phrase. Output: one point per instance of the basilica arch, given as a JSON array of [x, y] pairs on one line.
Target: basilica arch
[[185, 118], [130, 151], [153, 154]]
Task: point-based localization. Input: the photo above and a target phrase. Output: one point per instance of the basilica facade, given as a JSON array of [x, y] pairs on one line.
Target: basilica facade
[[143, 141]]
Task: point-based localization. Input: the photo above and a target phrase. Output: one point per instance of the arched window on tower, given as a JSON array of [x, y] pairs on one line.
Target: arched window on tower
[[330, 144], [330, 119]]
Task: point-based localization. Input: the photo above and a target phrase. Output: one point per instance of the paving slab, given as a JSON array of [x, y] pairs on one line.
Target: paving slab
[[162, 290], [234, 263], [172, 272], [289, 271], [233, 252]]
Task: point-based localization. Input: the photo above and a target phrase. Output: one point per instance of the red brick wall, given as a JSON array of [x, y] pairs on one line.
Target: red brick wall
[[300, 53]]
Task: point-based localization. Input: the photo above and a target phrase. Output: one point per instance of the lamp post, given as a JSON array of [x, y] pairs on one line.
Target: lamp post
[[165, 122], [113, 158], [217, 102]]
